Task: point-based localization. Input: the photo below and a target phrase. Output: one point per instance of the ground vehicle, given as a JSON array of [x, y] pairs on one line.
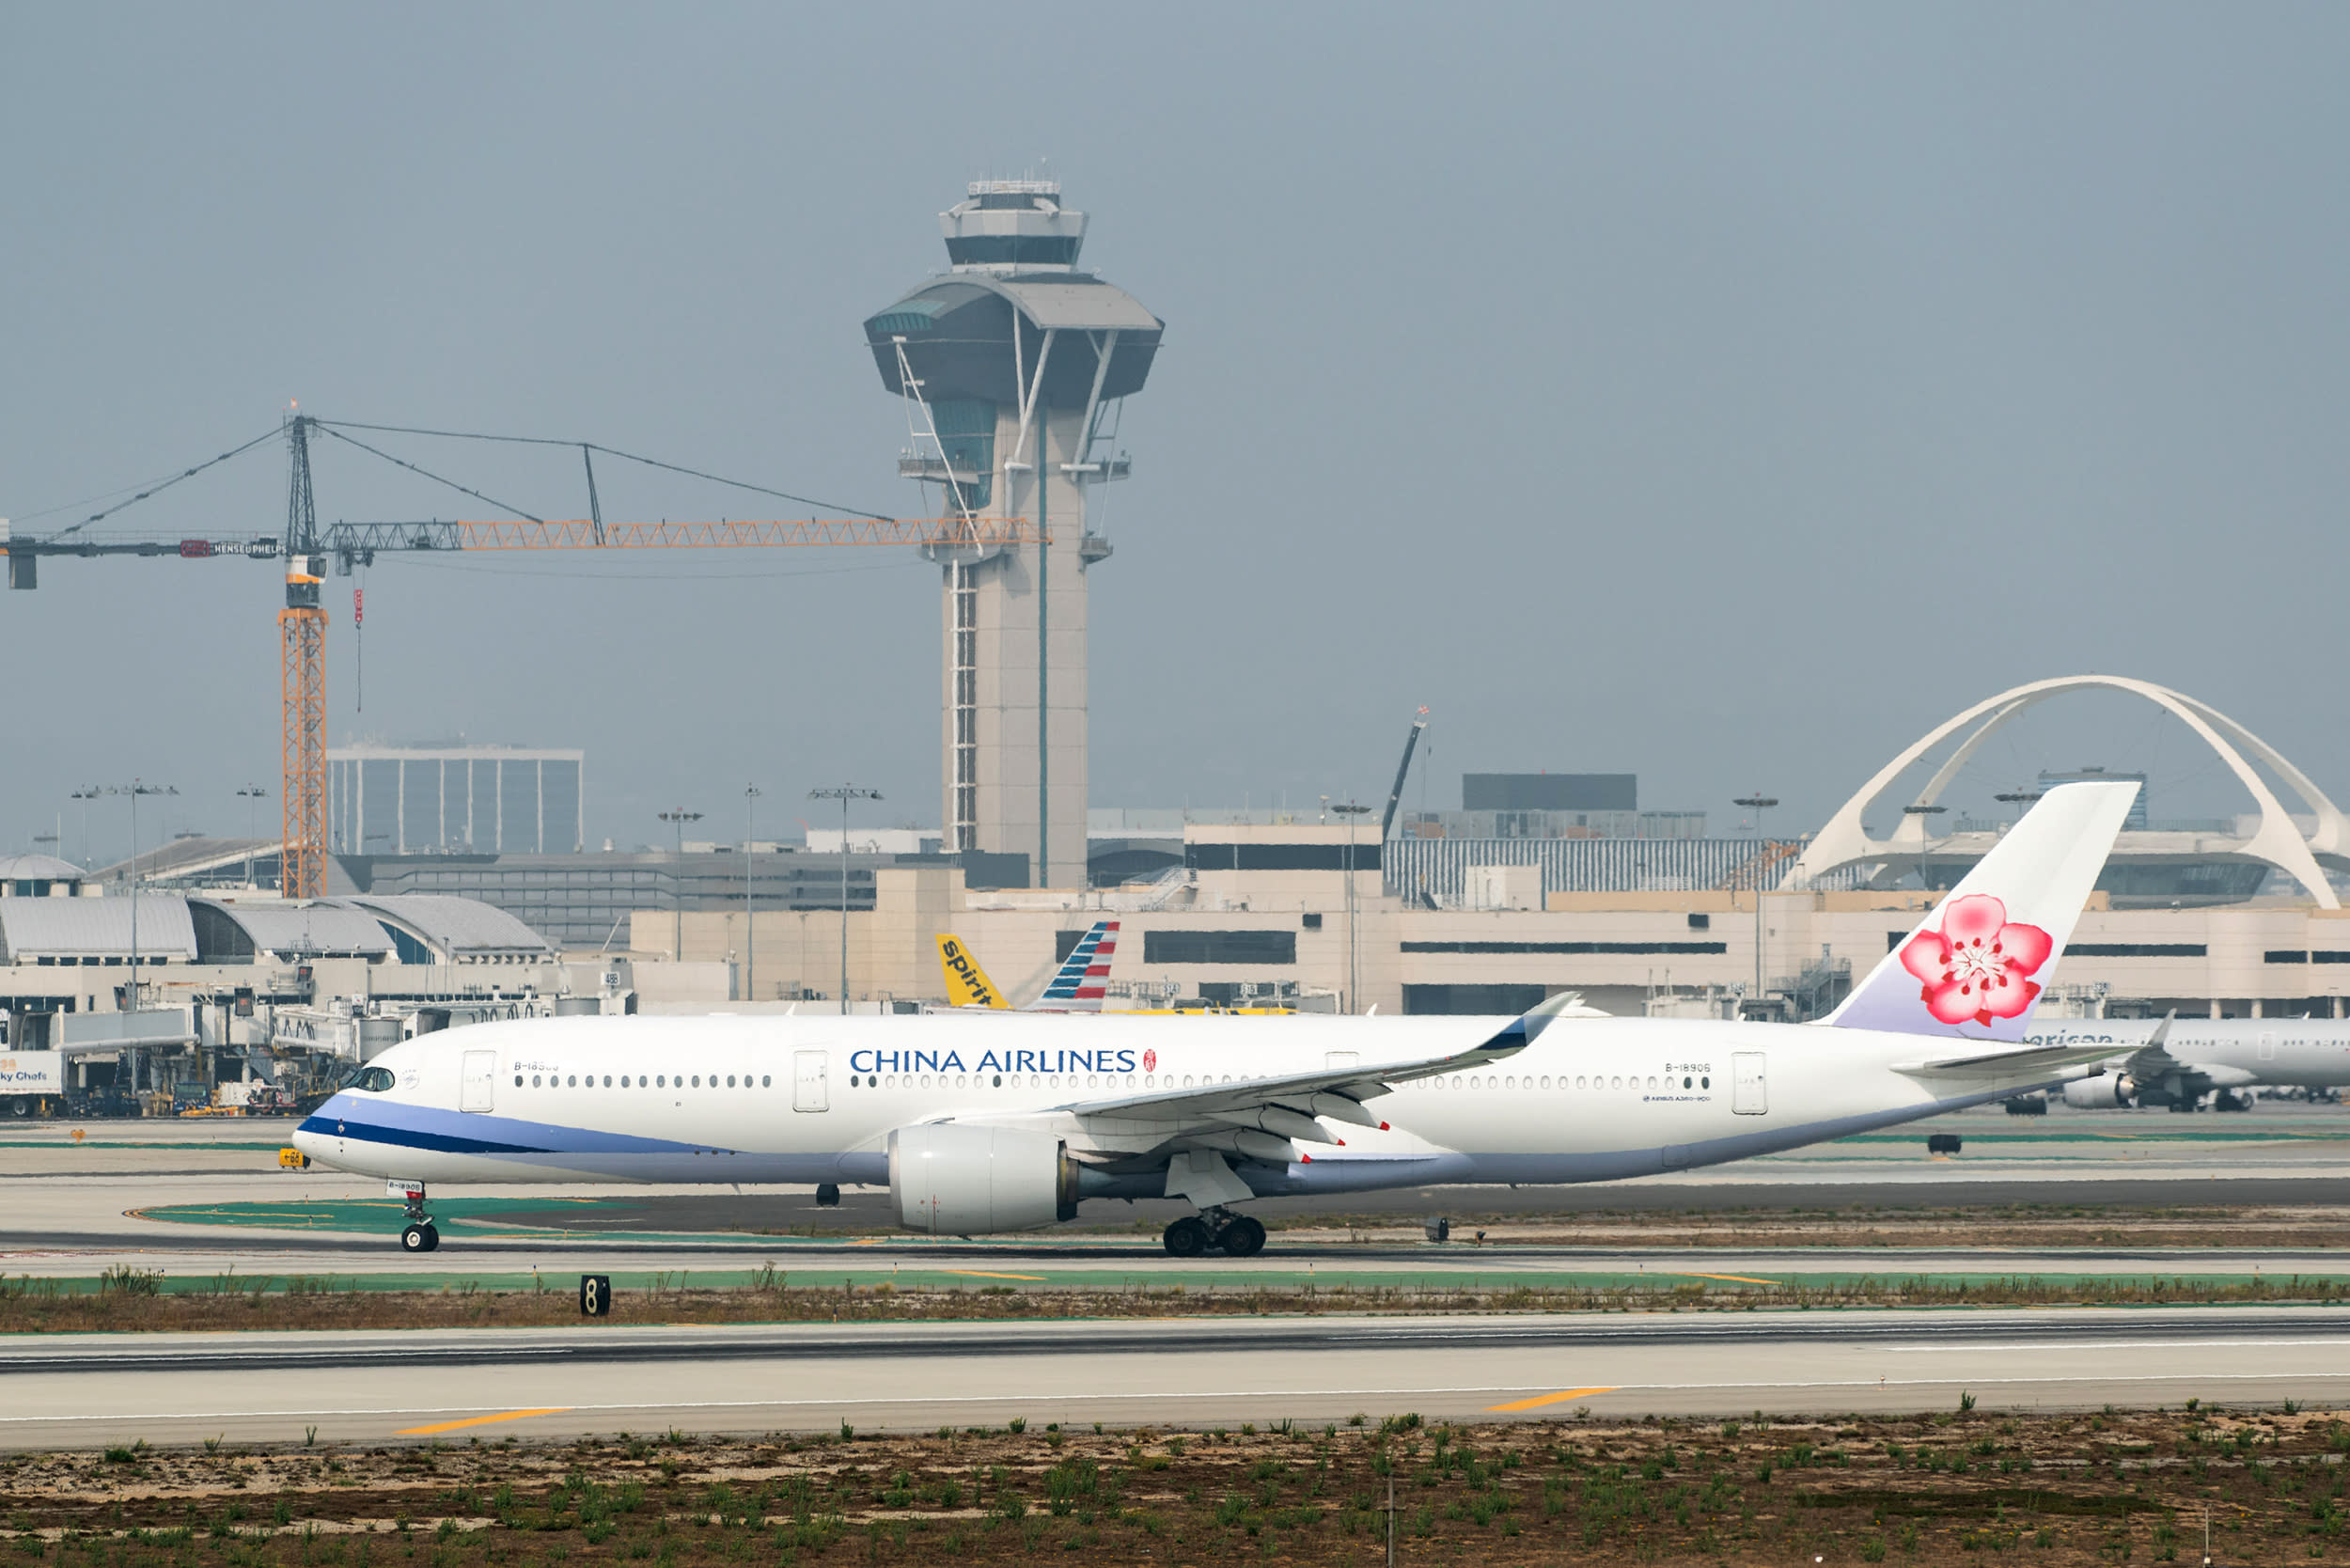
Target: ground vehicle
[[32, 1083]]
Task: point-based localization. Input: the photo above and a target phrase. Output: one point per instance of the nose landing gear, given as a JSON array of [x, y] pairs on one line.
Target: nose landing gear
[[1235, 1236], [420, 1234]]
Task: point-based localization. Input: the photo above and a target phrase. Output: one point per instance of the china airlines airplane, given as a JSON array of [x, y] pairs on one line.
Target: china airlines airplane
[[983, 1121]]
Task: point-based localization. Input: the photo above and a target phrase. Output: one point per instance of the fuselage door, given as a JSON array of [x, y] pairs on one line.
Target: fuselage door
[[809, 1092], [1749, 1094], [2268, 1045], [478, 1089]]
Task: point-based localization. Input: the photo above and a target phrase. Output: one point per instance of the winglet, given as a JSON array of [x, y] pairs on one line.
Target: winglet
[[1520, 1032]]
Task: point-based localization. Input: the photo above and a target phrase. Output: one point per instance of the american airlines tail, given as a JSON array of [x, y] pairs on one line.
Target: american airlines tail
[[1976, 965], [1084, 977]]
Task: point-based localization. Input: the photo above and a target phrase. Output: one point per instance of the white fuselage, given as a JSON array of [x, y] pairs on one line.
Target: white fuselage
[[2226, 1052], [815, 1099]]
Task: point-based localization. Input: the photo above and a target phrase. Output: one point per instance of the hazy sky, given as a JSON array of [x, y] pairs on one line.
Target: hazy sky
[[1722, 393]]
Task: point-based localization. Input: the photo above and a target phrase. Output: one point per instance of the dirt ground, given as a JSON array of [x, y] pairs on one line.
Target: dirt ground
[[1942, 1488]]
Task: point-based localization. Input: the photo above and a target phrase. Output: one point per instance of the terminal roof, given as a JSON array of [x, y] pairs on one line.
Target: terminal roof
[[32, 929], [37, 868], [452, 927]]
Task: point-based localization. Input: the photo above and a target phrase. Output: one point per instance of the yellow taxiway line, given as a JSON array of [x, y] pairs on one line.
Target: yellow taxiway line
[[481, 1420], [1735, 1278], [1558, 1398], [982, 1274]]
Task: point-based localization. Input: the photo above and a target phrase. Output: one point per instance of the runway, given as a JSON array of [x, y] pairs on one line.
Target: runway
[[369, 1387], [197, 1199]]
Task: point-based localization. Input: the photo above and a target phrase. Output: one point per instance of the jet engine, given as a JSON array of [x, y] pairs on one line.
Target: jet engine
[[2106, 1092], [962, 1179]]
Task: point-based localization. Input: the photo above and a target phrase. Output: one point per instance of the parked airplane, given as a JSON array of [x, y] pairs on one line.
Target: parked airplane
[[2176, 1061], [1078, 986], [981, 1121]]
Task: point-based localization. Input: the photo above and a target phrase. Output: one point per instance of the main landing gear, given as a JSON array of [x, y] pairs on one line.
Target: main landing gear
[[421, 1234], [1235, 1236]]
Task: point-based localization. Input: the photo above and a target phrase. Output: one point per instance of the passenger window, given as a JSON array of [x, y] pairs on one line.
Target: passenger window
[[698, 1080], [518, 1081], [764, 1080], [574, 1083], [661, 1081], [713, 1083], [534, 1080]]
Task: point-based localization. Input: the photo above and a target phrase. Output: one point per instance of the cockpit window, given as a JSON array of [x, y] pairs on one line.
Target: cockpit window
[[375, 1080]]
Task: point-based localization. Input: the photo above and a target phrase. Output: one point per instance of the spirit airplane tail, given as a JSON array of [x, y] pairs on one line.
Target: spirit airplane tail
[[1976, 965]]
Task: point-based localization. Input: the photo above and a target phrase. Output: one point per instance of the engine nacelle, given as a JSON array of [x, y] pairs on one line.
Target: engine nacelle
[[2106, 1092], [958, 1179]]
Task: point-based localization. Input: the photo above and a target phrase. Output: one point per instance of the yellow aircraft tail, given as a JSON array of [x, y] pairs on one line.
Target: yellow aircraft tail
[[968, 984]]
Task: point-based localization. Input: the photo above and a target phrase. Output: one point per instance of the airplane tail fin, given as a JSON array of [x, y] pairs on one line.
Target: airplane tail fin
[[1976, 965], [968, 984], [1084, 977]]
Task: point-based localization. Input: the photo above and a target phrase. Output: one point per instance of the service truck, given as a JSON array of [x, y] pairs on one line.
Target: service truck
[[32, 1083]]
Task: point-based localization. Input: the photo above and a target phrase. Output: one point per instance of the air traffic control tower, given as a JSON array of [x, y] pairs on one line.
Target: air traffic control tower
[[1012, 364]]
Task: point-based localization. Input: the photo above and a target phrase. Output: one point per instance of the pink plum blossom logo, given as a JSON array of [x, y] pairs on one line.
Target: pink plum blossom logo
[[1979, 964], [1150, 1061]]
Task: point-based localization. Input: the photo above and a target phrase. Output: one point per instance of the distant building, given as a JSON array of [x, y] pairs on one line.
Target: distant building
[[1550, 792], [455, 800], [38, 876]]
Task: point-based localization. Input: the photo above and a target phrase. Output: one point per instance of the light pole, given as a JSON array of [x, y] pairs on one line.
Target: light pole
[[750, 913], [844, 793], [1921, 812], [85, 796], [136, 787], [1758, 803], [1353, 816], [679, 818], [253, 794], [2018, 797]]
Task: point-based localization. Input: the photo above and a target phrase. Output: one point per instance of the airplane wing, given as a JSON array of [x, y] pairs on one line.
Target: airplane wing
[[1257, 1117], [2008, 1064]]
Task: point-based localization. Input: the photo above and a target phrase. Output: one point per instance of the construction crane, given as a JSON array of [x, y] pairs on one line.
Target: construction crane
[[1403, 771], [306, 547]]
